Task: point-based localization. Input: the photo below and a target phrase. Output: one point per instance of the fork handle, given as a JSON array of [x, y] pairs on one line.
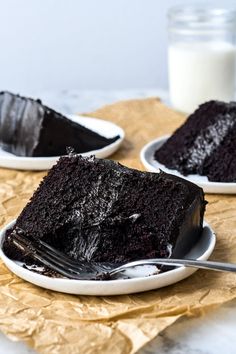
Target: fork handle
[[210, 265]]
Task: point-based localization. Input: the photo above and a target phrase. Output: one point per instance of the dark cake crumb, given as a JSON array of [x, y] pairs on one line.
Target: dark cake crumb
[[205, 144], [98, 210], [40, 269]]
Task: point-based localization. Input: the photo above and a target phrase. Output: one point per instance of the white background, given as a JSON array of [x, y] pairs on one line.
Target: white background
[[84, 44]]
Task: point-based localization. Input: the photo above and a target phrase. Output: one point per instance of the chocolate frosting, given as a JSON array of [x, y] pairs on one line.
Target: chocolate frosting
[[20, 123], [205, 144], [28, 128]]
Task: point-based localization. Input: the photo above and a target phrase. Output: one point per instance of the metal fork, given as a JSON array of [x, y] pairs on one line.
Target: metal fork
[[73, 269]]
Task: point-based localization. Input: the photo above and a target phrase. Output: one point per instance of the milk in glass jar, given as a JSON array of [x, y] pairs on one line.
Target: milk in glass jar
[[201, 56]]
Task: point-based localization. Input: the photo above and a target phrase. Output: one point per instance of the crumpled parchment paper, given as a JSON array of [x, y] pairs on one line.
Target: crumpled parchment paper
[[54, 323]]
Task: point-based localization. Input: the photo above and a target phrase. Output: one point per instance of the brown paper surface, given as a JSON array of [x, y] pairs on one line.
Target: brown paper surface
[[56, 323]]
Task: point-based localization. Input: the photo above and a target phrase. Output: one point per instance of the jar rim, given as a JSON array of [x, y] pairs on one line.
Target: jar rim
[[197, 17]]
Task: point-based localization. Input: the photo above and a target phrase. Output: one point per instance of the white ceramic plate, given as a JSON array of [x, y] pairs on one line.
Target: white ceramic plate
[[147, 158], [142, 280], [105, 128]]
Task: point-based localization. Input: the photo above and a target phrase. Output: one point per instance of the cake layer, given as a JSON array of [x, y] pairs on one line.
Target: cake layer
[[205, 144], [28, 128], [99, 210]]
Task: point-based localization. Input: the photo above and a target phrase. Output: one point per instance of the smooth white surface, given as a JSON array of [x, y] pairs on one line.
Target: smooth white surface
[[212, 333], [74, 101], [202, 251], [200, 72], [102, 127], [147, 158], [84, 44], [8, 346]]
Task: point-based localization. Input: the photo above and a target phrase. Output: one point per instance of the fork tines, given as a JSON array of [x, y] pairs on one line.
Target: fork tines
[[58, 261]]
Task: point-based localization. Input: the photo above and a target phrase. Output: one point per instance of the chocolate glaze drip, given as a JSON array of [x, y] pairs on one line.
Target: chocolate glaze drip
[[28, 128], [19, 131]]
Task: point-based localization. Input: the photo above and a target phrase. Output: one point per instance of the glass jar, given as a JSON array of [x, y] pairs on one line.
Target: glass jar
[[201, 56]]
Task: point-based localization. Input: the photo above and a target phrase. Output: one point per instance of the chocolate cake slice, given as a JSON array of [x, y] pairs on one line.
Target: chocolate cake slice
[[98, 210], [28, 128], [205, 144]]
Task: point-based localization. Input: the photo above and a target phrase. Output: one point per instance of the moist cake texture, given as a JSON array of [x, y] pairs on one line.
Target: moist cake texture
[[98, 210], [205, 144], [28, 128]]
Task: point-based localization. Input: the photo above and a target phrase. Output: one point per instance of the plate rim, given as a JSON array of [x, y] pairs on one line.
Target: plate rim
[[148, 165], [207, 253]]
